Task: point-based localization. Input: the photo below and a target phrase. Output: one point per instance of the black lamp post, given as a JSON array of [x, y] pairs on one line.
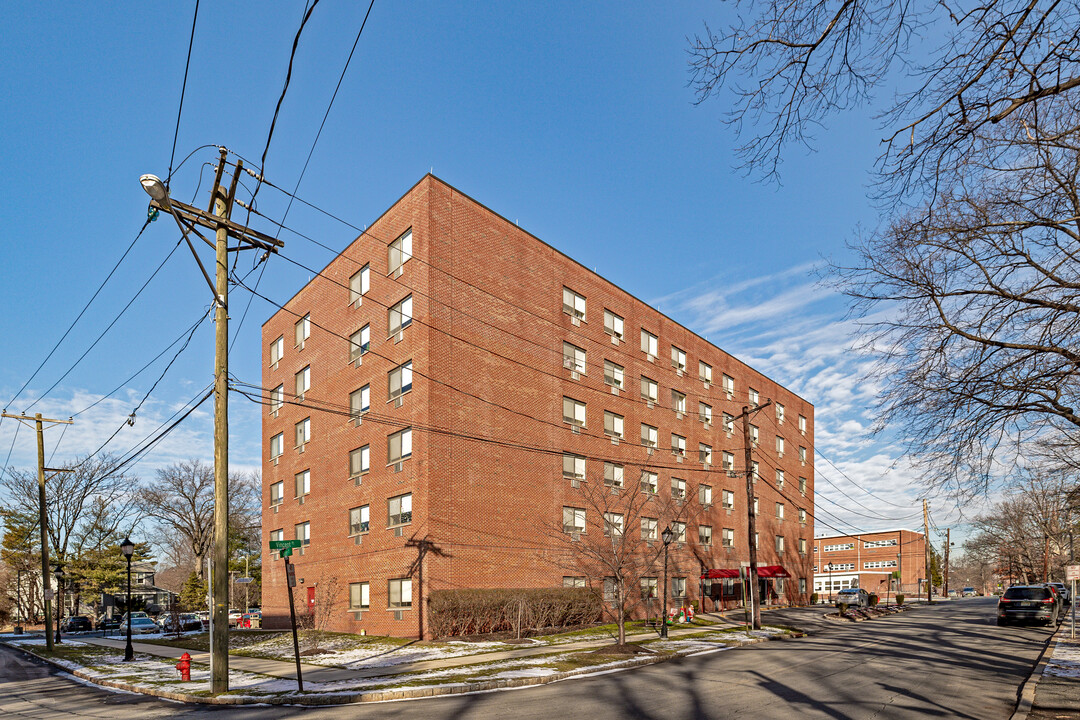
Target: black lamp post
[[58, 573], [830, 583], [667, 537], [128, 548]]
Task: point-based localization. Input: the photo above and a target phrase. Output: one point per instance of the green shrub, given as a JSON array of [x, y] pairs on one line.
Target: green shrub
[[873, 600], [521, 611], [899, 598], [814, 599], [842, 607]]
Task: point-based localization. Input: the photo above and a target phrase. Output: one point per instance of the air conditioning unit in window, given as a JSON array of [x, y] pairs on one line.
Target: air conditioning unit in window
[[732, 474], [275, 460], [615, 391], [398, 532], [575, 429], [356, 481], [399, 401], [397, 466], [358, 540], [614, 340], [399, 614], [399, 336], [575, 537], [273, 413], [575, 321], [575, 375]]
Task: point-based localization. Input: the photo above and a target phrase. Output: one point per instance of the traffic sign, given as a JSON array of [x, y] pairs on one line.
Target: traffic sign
[[290, 574], [282, 544], [284, 552], [1072, 572]]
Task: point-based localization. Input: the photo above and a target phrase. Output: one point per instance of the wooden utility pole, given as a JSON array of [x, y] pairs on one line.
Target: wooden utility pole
[[926, 552], [751, 516], [423, 546], [947, 543], [216, 218], [43, 518]]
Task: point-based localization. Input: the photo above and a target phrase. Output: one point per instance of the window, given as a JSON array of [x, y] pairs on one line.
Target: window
[[399, 252], [802, 485], [779, 446], [399, 317], [728, 383], [727, 537], [277, 534], [302, 432], [303, 381], [650, 391], [613, 374], [573, 467], [613, 424], [705, 534], [678, 445], [704, 371], [839, 547], [679, 530], [729, 423], [360, 401], [753, 395], [400, 593], [277, 350], [779, 543], [648, 435], [802, 585], [399, 510], [875, 564], [704, 412], [802, 516], [779, 511], [302, 330], [613, 324], [650, 344], [609, 589], [880, 543], [802, 424], [755, 506], [704, 495], [779, 414], [359, 461], [277, 445], [678, 587], [648, 528], [704, 453], [303, 532], [678, 402], [573, 304], [359, 596], [399, 446], [754, 434], [727, 460], [649, 587], [754, 474], [399, 380], [359, 343], [277, 493], [573, 412], [727, 499], [613, 475], [802, 455], [302, 482], [573, 520], [359, 520], [678, 488], [572, 581], [359, 284], [779, 479], [802, 546], [678, 359], [649, 482], [573, 358], [277, 398], [613, 524]]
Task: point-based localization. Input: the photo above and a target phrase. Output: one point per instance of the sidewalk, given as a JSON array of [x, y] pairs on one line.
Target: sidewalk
[[1057, 681]]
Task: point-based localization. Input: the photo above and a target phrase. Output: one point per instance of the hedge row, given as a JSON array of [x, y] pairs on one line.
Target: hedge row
[[523, 612]]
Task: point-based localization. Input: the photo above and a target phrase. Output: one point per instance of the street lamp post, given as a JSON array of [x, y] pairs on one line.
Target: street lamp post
[[830, 583], [58, 573], [128, 548], [667, 537]]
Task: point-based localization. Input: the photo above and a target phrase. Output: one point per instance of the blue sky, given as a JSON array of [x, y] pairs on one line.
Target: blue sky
[[573, 119]]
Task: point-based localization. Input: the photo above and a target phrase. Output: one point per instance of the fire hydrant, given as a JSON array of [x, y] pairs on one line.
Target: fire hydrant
[[184, 666]]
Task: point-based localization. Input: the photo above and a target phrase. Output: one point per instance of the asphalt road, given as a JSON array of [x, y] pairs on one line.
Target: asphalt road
[[950, 660]]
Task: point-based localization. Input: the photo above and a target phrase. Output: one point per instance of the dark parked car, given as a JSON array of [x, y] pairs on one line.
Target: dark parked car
[[1038, 603], [107, 623], [76, 623]]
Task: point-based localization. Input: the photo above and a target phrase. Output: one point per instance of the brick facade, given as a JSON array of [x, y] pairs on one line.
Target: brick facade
[[485, 410], [870, 560]]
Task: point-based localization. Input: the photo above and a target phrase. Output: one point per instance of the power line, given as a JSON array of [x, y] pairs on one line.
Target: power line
[[183, 91]]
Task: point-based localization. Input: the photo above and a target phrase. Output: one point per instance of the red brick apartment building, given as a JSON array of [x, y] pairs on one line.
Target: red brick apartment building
[[451, 377], [868, 561]]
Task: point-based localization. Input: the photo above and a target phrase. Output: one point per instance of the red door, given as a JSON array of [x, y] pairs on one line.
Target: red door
[[311, 599]]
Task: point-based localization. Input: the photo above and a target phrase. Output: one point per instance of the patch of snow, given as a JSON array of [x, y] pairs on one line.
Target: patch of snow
[[1065, 662]]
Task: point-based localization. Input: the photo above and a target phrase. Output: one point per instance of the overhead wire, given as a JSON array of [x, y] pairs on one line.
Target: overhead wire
[[183, 91]]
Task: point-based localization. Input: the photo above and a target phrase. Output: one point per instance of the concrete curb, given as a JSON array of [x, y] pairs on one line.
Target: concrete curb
[[1025, 696], [379, 695]]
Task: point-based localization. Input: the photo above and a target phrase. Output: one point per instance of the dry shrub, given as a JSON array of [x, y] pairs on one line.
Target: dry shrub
[[523, 611]]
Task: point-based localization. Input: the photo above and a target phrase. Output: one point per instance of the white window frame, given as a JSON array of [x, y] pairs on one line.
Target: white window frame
[[614, 424], [576, 416], [614, 374], [613, 474], [277, 442], [404, 439], [613, 524], [364, 453], [363, 591], [402, 589], [302, 532], [573, 303], [574, 358], [277, 350], [399, 316], [574, 466], [361, 278], [302, 484], [404, 383], [404, 508], [650, 344], [650, 436], [302, 330], [650, 389], [727, 499], [614, 325], [399, 252], [277, 493], [704, 495], [363, 525], [678, 358], [650, 482], [574, 520]]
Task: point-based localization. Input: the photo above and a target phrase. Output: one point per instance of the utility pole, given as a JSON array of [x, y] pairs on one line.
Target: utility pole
[[43, 518], [1046, 557], [423, 546], [947, 561], [926, 553], [217, 218], [751, 517]]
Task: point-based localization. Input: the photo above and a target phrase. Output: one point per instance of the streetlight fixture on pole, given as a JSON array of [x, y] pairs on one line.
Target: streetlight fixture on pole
[[58, 573], [667, 536], [128, 548]]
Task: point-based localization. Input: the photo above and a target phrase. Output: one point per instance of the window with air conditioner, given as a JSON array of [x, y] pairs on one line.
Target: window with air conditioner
[[779, 543], [302, 330], [359, 461], [648, 528], [727, 460], [779, 479], [359, 284], [802, 485], [399, 446], [679, 529], [727, 537], [303, 381], [802, 455], [359, 520], [705, 535], [729, 423], [780, 446], [754, 470], [399, 252], [650, 344], [678, 445], [399, 510], [704, 412], [399, 380], [277, 493], [678, 489], [277, 398], [802, 516], [277, 350], [613, 524], [277, 445], [754, 434], [613, 424], [779, 511], [802, 424], [359, 596], [573, 304], [753, 397], [704, 454], [779, 414], [649, 435], [573, 412], [678, 584], [573, 467], [399, 592], [727, 499], [302, 483], [704, 371], [573, 520], [704, 495], [649, 482], [728, 383], [613, 475], [359, 343], [650, 391], [649, 587], [573, 358], [303, 532], [360, 401], [613, 374], [678, 402], [678, 359], [613, 324], [400, 316]]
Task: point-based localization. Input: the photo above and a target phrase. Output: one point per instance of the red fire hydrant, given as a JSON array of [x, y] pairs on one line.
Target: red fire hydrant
[[184, 666]]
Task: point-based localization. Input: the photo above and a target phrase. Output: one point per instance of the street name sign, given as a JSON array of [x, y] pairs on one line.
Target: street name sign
[[282, 544]]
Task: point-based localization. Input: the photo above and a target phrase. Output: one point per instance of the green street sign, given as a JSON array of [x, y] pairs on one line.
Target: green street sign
[[282, 544], [284, 552]]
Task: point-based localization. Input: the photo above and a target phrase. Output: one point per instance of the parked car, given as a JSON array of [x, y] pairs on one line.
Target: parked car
[[76, 623], [106, 622], [1057, 597], [250, 620], [1062, 588], [969, 592], [134, 616], [1028, 602], [142, 626], [186, 621], [853, 597], [234, 617]]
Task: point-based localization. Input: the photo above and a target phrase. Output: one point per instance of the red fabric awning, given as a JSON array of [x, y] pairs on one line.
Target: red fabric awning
[[721, 573], [772, 571]]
